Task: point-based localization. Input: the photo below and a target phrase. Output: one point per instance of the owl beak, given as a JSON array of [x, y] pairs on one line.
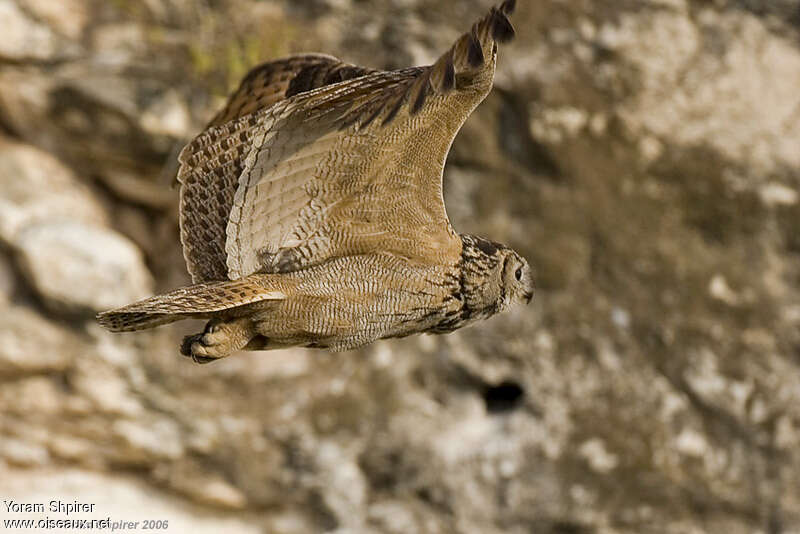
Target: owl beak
[[528, 297]]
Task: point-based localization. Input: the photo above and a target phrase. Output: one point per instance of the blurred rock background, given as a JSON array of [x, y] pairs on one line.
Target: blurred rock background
[[644, 155]]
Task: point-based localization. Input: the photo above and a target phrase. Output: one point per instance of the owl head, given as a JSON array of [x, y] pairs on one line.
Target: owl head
[[516, 279], [494, 277]]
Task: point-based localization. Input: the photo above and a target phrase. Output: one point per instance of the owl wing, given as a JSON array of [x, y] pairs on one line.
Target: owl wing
[[209, 181], [276, 80], [354, 167]]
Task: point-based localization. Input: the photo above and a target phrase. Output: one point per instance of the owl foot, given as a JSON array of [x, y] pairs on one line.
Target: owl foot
[[186, 349], [219, 339]]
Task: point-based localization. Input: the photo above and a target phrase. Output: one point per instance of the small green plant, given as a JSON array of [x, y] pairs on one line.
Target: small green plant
[[225, 49]]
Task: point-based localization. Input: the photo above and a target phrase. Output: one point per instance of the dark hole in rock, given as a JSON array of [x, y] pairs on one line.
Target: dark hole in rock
[[503, 397]]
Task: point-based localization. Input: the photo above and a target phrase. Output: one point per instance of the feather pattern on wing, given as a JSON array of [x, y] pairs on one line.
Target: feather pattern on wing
[[274, 81], [212, 162], [350, 167]]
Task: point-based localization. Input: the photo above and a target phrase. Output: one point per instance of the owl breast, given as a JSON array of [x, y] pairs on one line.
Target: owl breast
[[351, 301]]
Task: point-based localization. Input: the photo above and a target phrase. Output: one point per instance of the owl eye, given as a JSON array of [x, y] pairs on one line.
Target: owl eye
[[518, 274]]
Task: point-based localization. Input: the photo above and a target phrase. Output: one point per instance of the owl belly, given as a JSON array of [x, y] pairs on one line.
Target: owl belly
[[351, 301]]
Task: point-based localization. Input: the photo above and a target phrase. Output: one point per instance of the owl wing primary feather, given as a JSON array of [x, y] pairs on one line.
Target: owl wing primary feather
[[212, 162], [276, 80], [354, 167]]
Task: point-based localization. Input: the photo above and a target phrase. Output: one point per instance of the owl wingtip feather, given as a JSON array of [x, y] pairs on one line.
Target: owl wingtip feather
[[508, 7], [468, 53], [502, 30]]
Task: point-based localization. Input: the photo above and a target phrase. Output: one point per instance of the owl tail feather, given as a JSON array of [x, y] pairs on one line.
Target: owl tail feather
[[198, 301], [128, 321]]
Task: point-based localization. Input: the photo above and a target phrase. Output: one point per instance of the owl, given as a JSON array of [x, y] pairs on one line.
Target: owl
[[311, 209]]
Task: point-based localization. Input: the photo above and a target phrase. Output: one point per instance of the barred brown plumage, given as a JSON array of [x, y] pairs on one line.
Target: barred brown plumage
[[312, 213]]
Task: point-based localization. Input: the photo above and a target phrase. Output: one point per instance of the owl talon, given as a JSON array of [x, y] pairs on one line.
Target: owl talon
[[194, 347], [186, 345], [202, 360], [218, 339]]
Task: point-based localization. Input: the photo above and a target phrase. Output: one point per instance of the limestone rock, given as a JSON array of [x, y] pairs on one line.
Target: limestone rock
[[155, 439], [31, 344], [20, 453], [76, 266], [56, 226], [28, 39], [757, 71], [36, 187], [7, 279], [68, 18]]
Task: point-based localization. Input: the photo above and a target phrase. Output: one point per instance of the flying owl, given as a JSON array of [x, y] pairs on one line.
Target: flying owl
[[311, 209]]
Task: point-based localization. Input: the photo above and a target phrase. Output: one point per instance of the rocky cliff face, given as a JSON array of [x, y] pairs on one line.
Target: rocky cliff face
[[643, 155]]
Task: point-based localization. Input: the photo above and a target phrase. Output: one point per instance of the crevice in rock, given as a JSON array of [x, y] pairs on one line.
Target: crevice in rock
[[503, 397]]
